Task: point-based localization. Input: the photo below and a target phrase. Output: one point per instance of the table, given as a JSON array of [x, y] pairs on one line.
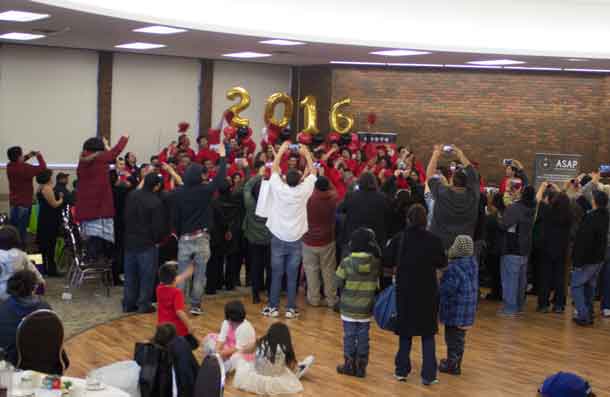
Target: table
[[79, 389]]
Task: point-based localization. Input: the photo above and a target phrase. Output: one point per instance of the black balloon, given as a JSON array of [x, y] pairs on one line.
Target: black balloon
[[242, 132]]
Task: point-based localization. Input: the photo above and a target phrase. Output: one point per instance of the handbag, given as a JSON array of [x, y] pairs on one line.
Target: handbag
[[385, 311]]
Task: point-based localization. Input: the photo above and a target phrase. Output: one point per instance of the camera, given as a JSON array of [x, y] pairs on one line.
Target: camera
[[402, 166], [507, 162], [447, 148], [294, 147], [604, 170]]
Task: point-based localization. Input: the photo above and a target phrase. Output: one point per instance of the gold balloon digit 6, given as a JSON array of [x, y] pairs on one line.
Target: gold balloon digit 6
[[337, 117], [278, 97], [310, 125], [244, 102]]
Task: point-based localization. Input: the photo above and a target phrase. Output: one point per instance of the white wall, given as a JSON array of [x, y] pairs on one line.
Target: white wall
[[150, 96], [261, 80], [48, 100]]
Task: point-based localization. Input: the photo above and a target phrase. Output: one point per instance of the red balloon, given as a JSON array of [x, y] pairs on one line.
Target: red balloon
[[213, 136], [303, 138], [334, 137], [230, 132], [249, 145]]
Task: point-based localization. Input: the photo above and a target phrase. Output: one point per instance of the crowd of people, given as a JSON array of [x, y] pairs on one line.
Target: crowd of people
[[353, 218]]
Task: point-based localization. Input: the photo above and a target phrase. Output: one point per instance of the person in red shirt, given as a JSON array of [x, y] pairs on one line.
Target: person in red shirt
[[94, 201], [205, 153], [170, 299], [20, 186], [319, 246]]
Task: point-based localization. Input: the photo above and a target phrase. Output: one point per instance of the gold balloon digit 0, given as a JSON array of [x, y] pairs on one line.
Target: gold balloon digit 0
[[310, 125], [272, 101], [244, 102], [336, 117]]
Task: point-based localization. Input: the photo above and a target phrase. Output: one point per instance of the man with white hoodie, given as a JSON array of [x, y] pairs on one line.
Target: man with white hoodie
[[287, 222]]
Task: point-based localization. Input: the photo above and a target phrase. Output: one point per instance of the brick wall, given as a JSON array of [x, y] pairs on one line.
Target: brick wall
[[491, 115]]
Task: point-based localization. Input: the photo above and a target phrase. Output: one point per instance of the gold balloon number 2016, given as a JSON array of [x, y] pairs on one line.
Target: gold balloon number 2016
[[339, 122]]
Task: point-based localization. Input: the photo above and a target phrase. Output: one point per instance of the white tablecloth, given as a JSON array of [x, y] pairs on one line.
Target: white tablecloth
[[79, 389]]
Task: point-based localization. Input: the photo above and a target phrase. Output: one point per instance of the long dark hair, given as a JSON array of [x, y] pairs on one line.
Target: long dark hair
[[561, 209], [278, 335]]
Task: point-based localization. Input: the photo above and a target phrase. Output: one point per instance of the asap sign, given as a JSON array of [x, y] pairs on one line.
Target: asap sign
[[569, 164]]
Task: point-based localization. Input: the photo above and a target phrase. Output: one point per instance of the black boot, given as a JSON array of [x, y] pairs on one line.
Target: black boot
[[347, 368], [360, 366]]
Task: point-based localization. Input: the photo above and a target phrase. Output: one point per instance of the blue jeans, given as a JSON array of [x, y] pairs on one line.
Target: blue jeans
[[605, 287], [195, 251], [140, 271], [403, 357], [20, 218], [584, 280], [285, 258], [514, 282], [356, 339]]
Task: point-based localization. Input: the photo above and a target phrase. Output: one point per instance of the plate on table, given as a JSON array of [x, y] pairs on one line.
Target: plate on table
[[97, 387]]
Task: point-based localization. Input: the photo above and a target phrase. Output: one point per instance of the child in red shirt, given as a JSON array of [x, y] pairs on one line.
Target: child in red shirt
[[170, 300]]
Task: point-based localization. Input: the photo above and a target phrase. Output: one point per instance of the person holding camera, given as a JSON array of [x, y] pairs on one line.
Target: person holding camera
[[287, 223], [456, 206], [513, 170], [21, 190]]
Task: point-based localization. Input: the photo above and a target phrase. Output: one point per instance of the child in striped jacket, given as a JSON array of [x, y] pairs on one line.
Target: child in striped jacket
[[358, 276]]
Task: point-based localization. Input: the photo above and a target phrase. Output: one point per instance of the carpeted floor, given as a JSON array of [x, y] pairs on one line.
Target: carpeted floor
[[90, 306]]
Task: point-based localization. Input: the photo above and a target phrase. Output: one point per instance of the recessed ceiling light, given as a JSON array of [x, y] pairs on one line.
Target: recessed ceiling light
[[588, 70], [418, 65], [159, 30], [21, 16], [531, 68], [140, 46], [577, 60], [474, 66], [496, 62], [246, 54], [281, 42], [398, 53], [357, 63], [21, 36]]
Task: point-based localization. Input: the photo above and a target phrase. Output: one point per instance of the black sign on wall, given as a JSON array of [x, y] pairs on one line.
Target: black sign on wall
[[556, 168]]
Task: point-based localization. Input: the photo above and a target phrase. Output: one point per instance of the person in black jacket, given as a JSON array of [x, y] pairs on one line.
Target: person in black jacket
[[21, 303], [365, 207], [192, 223], [164, 353], [144, 228], [417, 254], [588, 256], [555, 224]]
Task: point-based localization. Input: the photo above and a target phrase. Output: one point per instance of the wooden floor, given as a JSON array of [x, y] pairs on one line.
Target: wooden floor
[[504, 357]]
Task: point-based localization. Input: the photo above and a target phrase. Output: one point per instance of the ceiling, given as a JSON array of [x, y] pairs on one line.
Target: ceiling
[[542, 33]]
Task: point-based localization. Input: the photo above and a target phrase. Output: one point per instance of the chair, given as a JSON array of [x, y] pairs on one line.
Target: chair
[[40, 341], [81, 267]]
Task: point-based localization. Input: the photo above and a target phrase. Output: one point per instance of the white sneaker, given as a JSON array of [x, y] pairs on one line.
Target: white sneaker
[[270, 312], [304, 366], [606, 313], [292, 313]]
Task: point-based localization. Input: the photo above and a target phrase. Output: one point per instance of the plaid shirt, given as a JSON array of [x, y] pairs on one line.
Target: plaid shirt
[[459, 291]]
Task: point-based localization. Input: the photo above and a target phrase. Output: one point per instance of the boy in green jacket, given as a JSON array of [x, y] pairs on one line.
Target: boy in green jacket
[[358, 276]]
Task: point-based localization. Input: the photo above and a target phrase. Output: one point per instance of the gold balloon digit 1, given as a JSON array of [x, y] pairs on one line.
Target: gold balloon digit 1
[[337, 118], [244, 102], [310, 112], [272, 101]]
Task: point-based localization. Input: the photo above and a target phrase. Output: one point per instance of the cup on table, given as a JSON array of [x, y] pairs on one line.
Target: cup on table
[[78, 389]]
